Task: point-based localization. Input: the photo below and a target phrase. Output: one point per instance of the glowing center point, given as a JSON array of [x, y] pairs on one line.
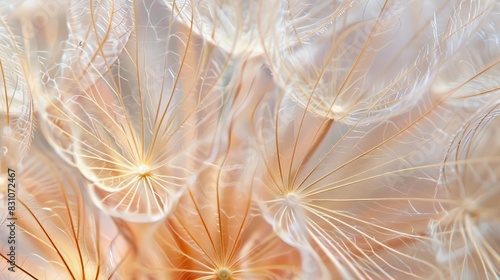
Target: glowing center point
[[337, 109], [291, 200], [143, 170], [223, 274]]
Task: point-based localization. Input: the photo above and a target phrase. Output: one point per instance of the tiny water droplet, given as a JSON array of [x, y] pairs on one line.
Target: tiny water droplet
[[4, 150]]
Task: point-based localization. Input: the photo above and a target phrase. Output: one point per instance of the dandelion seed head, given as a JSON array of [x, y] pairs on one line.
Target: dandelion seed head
[[466, 234]]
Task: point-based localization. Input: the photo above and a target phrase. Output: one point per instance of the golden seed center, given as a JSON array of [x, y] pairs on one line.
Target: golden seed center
[[143, 170], [224, 274]]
